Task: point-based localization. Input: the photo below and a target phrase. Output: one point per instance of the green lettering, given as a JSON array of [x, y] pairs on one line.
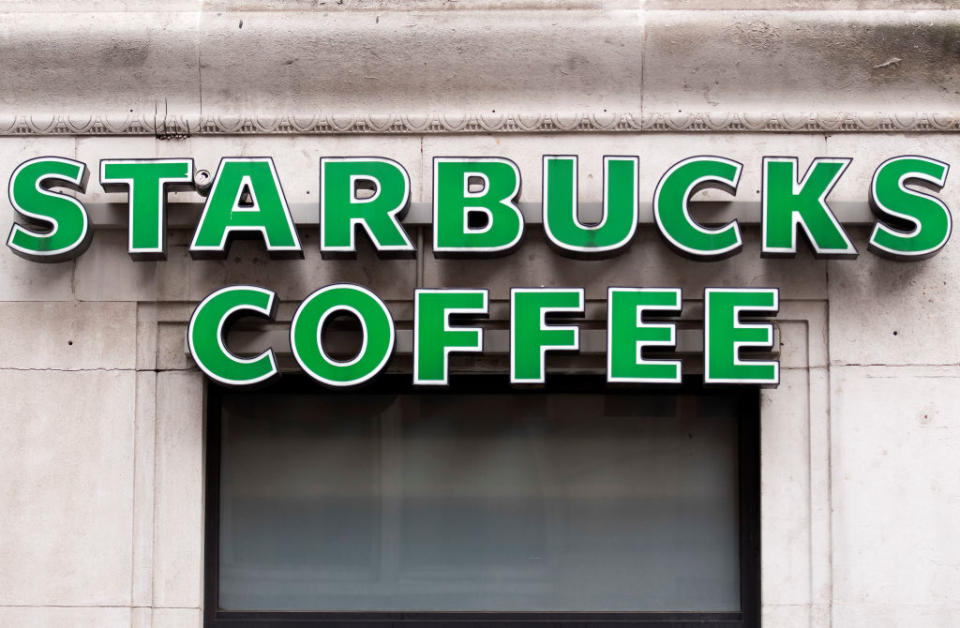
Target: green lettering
[[245, 196], [146, 182], [434, 338], [530, 335], [342, 209], [64, 229], [724, 335], [307, 328], [620, 205], [482, 188], [928, 218], [787, 203], [671, 206], [206, 331], [628, 334]]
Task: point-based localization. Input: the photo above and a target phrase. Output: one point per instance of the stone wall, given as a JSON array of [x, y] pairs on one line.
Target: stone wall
[[102, 443]]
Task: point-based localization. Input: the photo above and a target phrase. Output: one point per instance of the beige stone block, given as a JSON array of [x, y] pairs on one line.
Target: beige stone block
[[417, 63], [293, 280], [880, 615], [889, 312], [794, 341], [349, 6], [106, 272], [152, 76], [821, 506], [648, 263], [804, 329], [796, 5], [66, 503], [786, 615], [796, 61], [24, 280], [172, 347], [143, 487], [785, 491], [59, 616], [177, 618], [146, 336], [141, 617], [178, 509], [896, 492], [68, 336], [103, 6], [16, 150]]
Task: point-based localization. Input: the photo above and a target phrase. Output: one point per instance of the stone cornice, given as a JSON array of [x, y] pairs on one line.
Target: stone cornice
[[602, 67]]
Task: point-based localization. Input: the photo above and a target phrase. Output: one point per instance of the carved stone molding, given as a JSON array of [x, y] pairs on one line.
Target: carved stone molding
[[373, 124]]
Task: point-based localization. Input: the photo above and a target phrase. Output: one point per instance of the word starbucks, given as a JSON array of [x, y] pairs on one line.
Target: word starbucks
[[475, 208], [475, 212]]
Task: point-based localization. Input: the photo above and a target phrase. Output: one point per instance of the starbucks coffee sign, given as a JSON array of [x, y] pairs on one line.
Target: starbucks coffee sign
[[474, 213]]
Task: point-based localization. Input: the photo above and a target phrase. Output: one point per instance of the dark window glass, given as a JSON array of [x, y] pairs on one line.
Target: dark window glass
[[572, 499]]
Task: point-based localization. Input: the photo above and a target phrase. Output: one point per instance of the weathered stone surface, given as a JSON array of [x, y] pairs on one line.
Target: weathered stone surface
[[145, 434], [146, 336], [55, 617], [177, 618], [890, 312], [881, 615], [68, 336], [178, 509], [23, 280], [887, 312], [795, 5], [66, 501], [896, 494], [785, 491], [798, 61], [49, 64], [172, 347], [786, 616], [804, 332], [181, 278], [648, 263], [141, 617], [600, 65], [417, 64], [105, 504]]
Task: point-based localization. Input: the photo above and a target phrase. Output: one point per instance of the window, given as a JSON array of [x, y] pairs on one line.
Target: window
[[482, 504]]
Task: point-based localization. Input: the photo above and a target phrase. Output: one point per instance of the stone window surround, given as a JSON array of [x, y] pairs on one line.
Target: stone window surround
[[795, 461]]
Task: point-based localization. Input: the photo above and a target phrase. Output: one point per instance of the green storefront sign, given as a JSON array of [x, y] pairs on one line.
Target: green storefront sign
[[475, 213]]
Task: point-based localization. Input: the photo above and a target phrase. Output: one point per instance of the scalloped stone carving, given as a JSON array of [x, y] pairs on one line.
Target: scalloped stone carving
[[485, 122]]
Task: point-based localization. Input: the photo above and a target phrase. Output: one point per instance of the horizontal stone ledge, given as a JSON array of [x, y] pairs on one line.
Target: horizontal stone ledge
[[489, 68], [381, 6], [186, 215]]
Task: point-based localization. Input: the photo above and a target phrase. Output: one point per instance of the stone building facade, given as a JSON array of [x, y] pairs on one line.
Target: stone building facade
[[102, 449]]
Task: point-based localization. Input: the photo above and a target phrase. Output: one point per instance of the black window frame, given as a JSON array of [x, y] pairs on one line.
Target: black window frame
[[748, 405]]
